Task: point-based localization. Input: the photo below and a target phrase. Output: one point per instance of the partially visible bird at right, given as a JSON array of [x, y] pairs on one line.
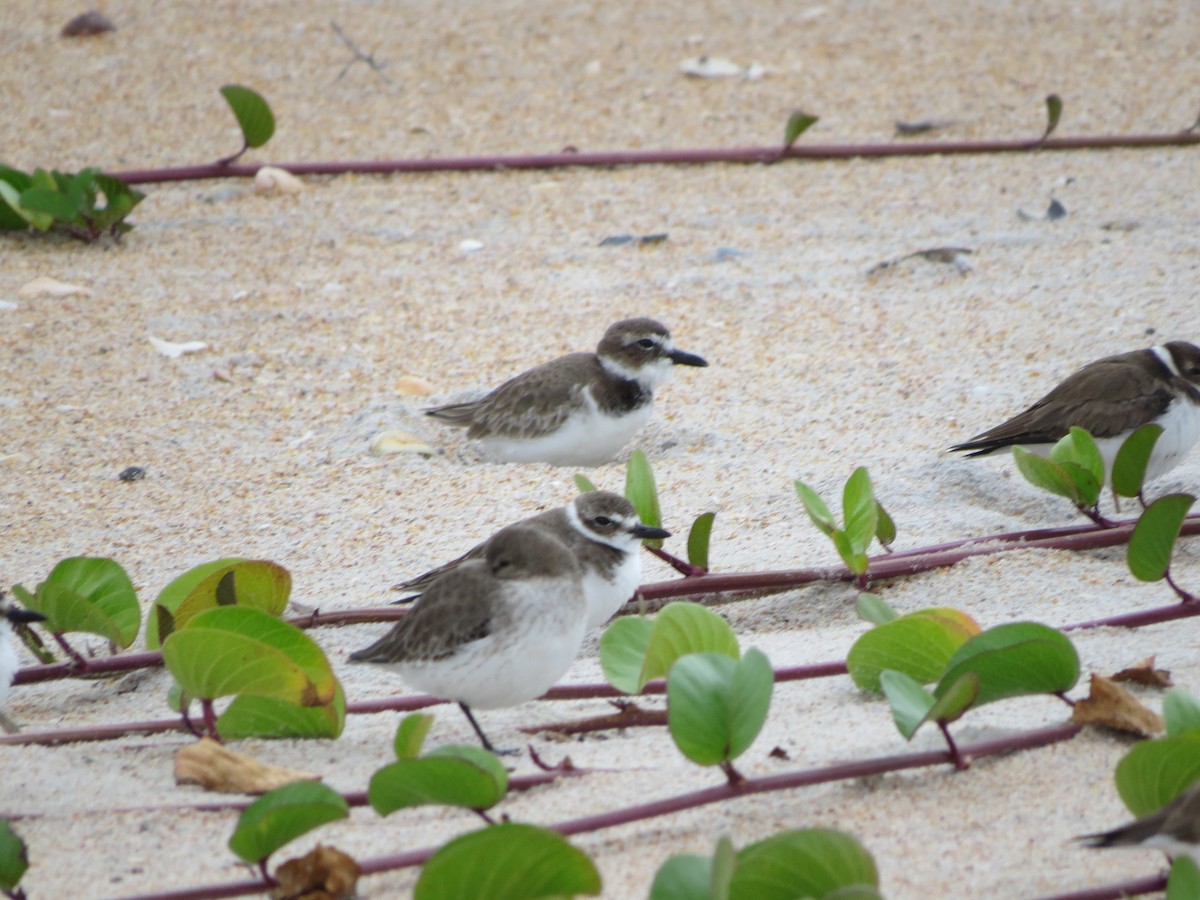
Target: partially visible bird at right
[[1174, 829]]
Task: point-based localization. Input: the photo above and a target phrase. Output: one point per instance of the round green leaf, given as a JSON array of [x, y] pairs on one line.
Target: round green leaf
[[1013, 660], [683, 877], [1181, 710], [452, 776], [1154, 772], [507, 862], [14, 860], [699, 538], [953, 702], [817, 511], [874, 609], [1154, 536], [411, 733], [50, 202], [682, 628], [716, 706], [1079, 448], [885, 529], [909, 699], [856, 560], [584, 484], [1129, 465], [859, 510], [920, 644], [623, 652], [1045, 474], [256, 716], [808, 862], [257, 583], [253, 114], [241, 650], [642, 492], [283, 815], [89, 594], [1184, 881], [176, 592]]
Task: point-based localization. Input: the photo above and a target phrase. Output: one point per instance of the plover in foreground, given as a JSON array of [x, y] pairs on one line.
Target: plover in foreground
[[495, 631], [577, 410], [603, 533], [1111, 398], [1174, 829], [9, 614]]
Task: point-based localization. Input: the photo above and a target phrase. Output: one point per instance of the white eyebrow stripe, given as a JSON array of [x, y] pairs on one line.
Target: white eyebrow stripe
[[1167, 360]]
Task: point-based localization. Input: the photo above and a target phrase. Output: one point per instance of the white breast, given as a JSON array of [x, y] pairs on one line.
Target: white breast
[[587, 438]]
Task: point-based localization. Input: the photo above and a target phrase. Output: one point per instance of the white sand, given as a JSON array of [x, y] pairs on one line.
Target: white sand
[[314, 306]]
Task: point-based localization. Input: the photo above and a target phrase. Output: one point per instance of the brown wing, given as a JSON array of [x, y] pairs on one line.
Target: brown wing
[[508, 411], [1091, 399], [454, 610]]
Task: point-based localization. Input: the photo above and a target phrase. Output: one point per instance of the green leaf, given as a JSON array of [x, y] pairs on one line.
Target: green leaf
[[716, 706], [623, 652], [952, 702], [1181, 710], [683, 877], [507, 862], [806, 862], [1153, 773], [1014, 660], [1054, 107], [859, 510], [919, 644], [1046, 474], [282, 815], [584, 485], [89, 594], [1078, 448], [874, 609], [14, 860], [1154, 535], [856, 561], [12, 183], [1129, 465], [797, 123], [682, 628], [411, 733], [642, 492], [175, 593], [698, 539], [255, 716], [885, 530], [909, 699], [817, 511], [253, 114], [470, 777], [257, 584], [48, 201], [724, 864], [240, 650], [1184, 881]]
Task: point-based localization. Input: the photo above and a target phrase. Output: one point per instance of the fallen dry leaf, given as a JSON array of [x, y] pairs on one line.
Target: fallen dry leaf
[[46, 286], [1113, 706], [1145, 673], [215, 767], [324, 874]]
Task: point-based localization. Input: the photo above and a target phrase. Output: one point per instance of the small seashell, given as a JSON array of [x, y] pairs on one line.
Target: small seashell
[[51, 287], [173, 350], [392, 441], [87, 24], [470, 246], [272, 180], [413, 386], [710, 67]]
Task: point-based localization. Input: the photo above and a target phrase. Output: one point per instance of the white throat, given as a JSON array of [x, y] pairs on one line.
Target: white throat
[[1164, 356]]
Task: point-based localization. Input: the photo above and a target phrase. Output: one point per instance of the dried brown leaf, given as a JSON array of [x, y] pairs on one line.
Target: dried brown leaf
[[1145, 673], [324, 874], [1113, 706], [215, 767]]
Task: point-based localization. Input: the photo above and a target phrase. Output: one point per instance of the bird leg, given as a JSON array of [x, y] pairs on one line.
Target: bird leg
[[487, 745]]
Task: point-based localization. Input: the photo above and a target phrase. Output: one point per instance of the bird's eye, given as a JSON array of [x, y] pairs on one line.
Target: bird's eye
[[646, 344], [602, 520]]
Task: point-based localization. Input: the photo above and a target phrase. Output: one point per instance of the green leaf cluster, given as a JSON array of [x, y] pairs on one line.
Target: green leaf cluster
[[65, 201], [223, 582], [281, 679], [87, 594], [865, 519], [1074, 469], [469, 777], [282, 815], [1154, 772], [508, 861], [1010, 660], [919, 644], [635, 650], [817, 863]]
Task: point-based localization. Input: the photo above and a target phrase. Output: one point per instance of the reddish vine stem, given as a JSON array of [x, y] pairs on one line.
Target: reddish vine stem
[[746, 155], [691, 800]]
